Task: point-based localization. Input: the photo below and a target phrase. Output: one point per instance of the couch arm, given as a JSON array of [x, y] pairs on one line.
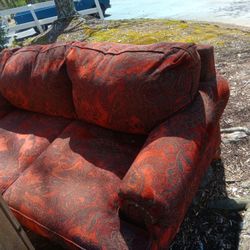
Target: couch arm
[[162, 181]]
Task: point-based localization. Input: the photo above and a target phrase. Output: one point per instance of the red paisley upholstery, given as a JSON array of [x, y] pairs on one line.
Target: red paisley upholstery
[[132, 88], [4, 56], [208, 71], [163, 179], [5, 106], [38, 76], [125, 179], [71, 189], [23, 137]]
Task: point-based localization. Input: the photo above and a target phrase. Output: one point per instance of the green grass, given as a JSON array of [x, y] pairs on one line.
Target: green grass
[[148, 31], [7, 4]]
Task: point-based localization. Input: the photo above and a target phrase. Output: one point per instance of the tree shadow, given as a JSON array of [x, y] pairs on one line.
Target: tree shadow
[[207, 228], [59, 27]]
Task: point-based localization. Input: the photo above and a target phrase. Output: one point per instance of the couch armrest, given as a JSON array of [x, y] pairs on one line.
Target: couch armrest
[[161, 183]]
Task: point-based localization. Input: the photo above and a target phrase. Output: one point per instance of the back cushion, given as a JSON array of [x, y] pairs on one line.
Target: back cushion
[[5, 55], [35, 78], [132, 88]]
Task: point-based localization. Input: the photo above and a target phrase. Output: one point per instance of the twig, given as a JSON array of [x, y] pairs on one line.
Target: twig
[[236, 129]]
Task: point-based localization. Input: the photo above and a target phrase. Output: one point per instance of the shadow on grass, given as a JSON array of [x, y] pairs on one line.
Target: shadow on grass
[[205, 228]]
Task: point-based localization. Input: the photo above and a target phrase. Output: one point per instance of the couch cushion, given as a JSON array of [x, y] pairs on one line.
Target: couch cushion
[[23, 137], [132, 88], [5, 106], [70, 191], [34, 78], [5, 55]]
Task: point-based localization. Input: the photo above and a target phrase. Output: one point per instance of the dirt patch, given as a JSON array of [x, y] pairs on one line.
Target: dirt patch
[[203, 228]]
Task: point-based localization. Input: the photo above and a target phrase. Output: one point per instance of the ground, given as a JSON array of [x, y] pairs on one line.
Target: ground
[[203, 228]]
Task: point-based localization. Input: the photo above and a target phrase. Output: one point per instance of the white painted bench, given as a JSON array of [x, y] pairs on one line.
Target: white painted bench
[[4, 14]]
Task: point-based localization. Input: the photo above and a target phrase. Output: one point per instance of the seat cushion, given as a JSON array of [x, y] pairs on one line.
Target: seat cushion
[[39, 77], [70, 191], [131, 88], [23, 137]]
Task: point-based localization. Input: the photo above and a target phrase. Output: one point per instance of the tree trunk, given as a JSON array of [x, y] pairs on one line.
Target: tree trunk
[[68, 20], [65, 9]]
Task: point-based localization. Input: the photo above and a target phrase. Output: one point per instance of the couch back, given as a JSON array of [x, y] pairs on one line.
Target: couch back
[[35, 78], [129, 88]]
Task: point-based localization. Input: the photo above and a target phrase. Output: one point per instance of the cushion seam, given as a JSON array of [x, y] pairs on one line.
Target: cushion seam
[[126, 51], [41, 50], [10, 111], [35, 159]]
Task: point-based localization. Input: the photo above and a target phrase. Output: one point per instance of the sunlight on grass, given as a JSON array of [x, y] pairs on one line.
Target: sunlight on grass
[[147, 31]]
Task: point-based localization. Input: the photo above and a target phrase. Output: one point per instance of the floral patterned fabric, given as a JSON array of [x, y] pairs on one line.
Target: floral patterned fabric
[[164, 177], [5, 106], [125, 179], [208, 71], [71, 190], [4, 56], [23, 137], [132, 88], [38, 76]]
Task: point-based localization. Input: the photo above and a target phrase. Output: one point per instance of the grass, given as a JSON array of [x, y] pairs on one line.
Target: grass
[[148, 31], [17, 3]]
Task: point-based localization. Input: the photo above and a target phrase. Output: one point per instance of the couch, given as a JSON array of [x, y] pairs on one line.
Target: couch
[[104, 145]]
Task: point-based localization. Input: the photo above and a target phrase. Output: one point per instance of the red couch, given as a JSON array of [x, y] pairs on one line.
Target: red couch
[[103, 146]]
